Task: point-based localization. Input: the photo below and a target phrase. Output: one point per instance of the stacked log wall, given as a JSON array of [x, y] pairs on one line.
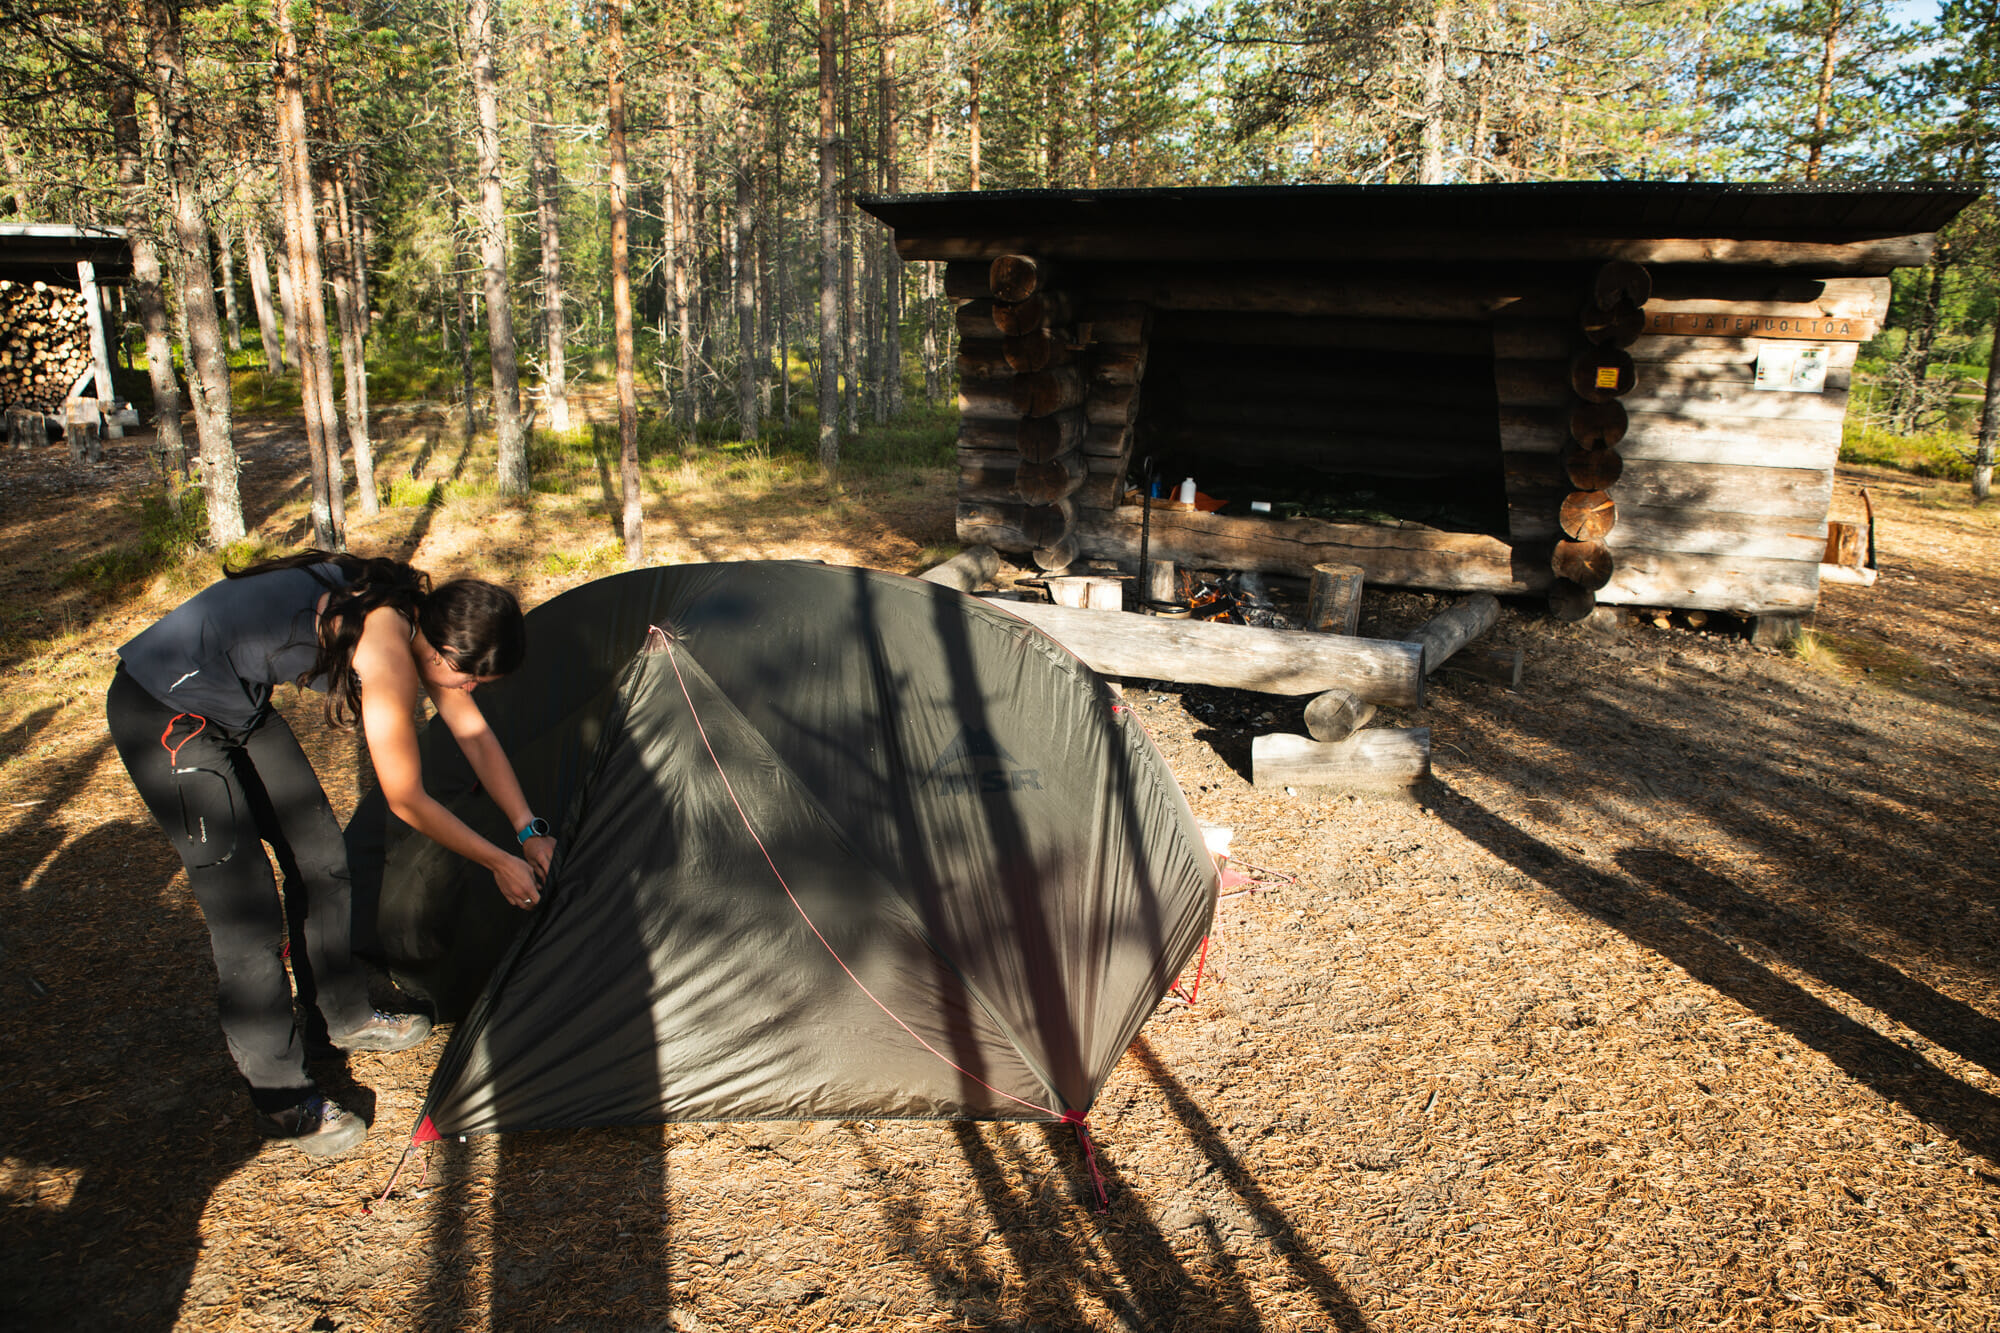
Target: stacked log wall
[[44, 344], [1048, 391], [1724, 489]]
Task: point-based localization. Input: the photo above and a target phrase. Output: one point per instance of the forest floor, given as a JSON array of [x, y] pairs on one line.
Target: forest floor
[[1668, 1003]]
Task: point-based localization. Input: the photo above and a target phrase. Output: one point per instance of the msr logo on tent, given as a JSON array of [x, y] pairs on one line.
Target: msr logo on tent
[[977, 762]]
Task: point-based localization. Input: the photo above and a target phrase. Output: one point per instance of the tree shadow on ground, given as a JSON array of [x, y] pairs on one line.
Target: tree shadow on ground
[[1667, 905]]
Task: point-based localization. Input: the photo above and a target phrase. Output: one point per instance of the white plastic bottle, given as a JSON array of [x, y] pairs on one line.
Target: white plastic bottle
[[1187, 491]]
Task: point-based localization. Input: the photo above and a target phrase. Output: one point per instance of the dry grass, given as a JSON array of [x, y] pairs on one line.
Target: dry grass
[[1668, 1005]]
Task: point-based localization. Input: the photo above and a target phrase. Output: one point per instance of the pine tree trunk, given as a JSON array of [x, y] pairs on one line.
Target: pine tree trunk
[[745, 247], [225, 250], [829, 250], [1989, 423], [511, 440], [891, 263], [353, 347], [208, 368], [850, 345], [258, 261], [360, 231], [289, 354], [931, 350], [1430, 170], [633, 516], [146, 290], [683, 249], [1914, 365], [1823, 95], [972, 94], [548, 222], [295, 195], [462, 321]]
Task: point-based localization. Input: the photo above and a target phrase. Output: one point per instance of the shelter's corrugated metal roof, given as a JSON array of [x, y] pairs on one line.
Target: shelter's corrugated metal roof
[[1813, 211]]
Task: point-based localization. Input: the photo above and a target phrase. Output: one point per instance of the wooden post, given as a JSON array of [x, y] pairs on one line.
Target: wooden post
[[100, 346], [1333, 604], [1843, 544], [1088, 591], [26, 429], [1776, 631], [80, 428], [1385, 757]]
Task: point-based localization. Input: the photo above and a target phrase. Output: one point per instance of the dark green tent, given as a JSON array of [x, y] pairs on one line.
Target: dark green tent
[[834, 844]]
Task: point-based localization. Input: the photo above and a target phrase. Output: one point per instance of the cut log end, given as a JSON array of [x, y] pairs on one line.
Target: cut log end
[[1588, 516], [1595, 469], [1620, 326], [1621, 280], [1336, 715], [1599, 425], [1588, 564], [1015, 277], [1571, 602], [969, 570], [1601, 374]]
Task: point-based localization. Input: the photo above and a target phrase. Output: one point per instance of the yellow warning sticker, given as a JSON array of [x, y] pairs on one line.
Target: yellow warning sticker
[[1607, 377]]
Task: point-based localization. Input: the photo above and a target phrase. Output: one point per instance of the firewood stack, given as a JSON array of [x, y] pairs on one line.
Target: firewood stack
[[1612, 319], [1045, 404], [44, 345]]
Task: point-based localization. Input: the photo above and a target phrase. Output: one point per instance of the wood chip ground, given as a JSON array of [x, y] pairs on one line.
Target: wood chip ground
[[1669, 1004]]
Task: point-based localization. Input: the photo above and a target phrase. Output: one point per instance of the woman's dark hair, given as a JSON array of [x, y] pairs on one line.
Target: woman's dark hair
[[475, 626]]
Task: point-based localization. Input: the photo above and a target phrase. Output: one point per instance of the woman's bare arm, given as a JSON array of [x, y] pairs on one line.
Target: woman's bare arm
[[390, 687], [460, 712]]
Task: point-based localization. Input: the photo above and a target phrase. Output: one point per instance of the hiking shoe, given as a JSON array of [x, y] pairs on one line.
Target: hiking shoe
[[386, 1032], [317, 1127]]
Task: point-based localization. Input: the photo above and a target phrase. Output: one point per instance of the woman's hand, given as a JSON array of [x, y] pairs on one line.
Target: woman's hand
[[519, 882], [540, 852]]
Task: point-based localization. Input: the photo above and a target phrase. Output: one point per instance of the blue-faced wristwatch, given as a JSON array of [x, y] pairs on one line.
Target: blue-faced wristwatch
[[534, 828]]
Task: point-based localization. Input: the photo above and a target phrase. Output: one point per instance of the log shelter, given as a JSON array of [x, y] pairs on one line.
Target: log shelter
[[1620, 393]]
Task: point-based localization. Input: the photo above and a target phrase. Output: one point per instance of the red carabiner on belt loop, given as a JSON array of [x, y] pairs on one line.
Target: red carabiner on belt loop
[[174, 750]]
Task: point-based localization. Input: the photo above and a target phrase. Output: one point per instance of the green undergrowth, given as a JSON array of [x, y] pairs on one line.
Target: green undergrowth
[[1944, 454], [169, 529]]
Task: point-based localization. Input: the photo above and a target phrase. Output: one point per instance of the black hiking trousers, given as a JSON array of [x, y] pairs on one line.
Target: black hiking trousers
[[218, 796]]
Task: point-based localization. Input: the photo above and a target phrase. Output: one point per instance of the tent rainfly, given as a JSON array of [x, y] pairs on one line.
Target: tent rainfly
[[835, 844]]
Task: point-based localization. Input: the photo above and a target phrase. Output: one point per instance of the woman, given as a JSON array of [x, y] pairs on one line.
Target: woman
[[190, 710]]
